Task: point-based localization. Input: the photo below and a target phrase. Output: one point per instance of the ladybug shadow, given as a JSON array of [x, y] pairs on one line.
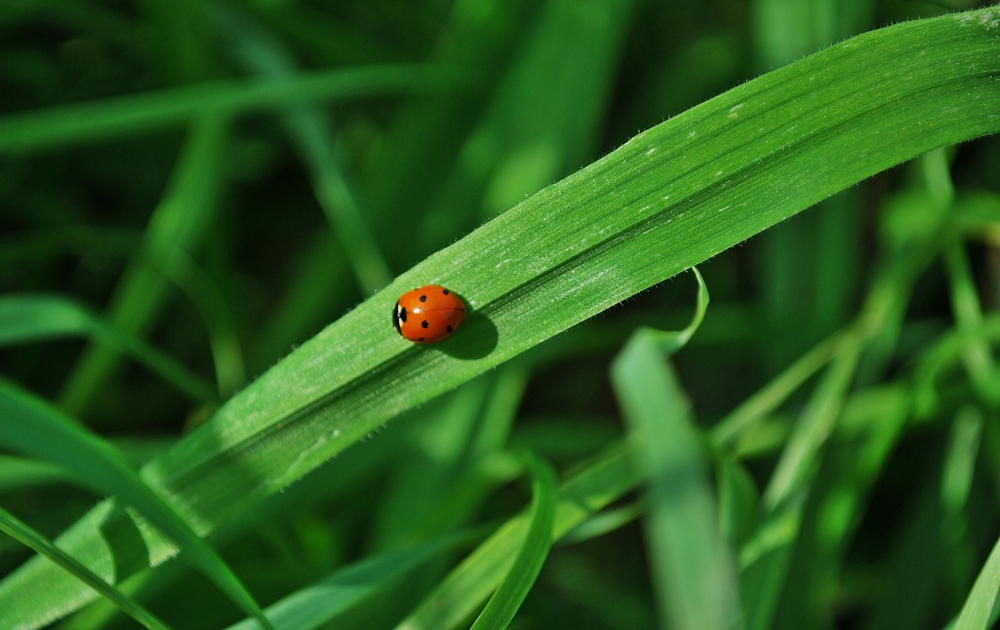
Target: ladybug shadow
[[474, 340]]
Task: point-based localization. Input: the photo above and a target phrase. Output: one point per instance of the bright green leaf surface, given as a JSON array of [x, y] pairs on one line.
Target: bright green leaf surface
[[13, 527], [670, 198], [32, 427], [978, 609]]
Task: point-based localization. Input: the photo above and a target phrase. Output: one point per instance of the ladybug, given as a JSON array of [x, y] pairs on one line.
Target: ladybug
[[428, 314]]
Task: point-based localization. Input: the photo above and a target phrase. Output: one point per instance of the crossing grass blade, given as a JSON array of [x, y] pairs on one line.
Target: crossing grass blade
[[34, 428], [176, 227], [318, 603], [143, 113], [669, 198], [32, 318], [15, 528], [502, 607], [309, 129], [459, 595]]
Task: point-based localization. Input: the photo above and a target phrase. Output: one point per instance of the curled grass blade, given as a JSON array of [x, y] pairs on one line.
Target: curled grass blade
[[670, 198], [696, 584], [15, 528], [502, 607], [34, 428]]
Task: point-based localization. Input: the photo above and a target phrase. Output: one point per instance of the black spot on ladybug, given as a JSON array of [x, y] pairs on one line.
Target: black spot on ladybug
[[449, 329], [402, 314], [446, 292], [424, 324], [421, 339], [423, 298]]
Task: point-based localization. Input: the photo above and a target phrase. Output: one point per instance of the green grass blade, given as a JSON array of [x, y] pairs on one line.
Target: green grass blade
[[30, 318], [13, 527], [32, 427], [951, 348], [415, 505], [977, 357], [767, 400], [960, 464], [812, 430], [318, 284], [696, 584], [867, 431], [131, 115], [207, 298], [525, 142], [977, 613], [673, 196], [604, 523], [176, 227], [316, 604], [502, 607], [465, 589], [79, 240], [313, 136], [18, 472]]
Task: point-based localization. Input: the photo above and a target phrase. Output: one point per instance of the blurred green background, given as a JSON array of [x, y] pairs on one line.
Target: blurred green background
[[225, 244]]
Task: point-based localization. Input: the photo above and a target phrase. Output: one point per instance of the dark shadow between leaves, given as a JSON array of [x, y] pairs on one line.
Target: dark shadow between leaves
[[125, 542], [474, 340]]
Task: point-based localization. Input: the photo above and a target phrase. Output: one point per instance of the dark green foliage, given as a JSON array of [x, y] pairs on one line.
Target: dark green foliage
[[208, 209]]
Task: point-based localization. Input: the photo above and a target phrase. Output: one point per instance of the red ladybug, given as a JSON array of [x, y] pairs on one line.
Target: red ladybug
[[428, 314]]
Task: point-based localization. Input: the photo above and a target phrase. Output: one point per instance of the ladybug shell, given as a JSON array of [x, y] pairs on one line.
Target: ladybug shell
[[428, 314]]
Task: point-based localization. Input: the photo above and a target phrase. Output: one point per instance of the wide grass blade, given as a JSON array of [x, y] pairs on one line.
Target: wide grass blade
[[131, 115], [501, 608], [18, 472], [15, 528], [694, 572], [32, 318], [673, 196], [977, 613], [32, 427]]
